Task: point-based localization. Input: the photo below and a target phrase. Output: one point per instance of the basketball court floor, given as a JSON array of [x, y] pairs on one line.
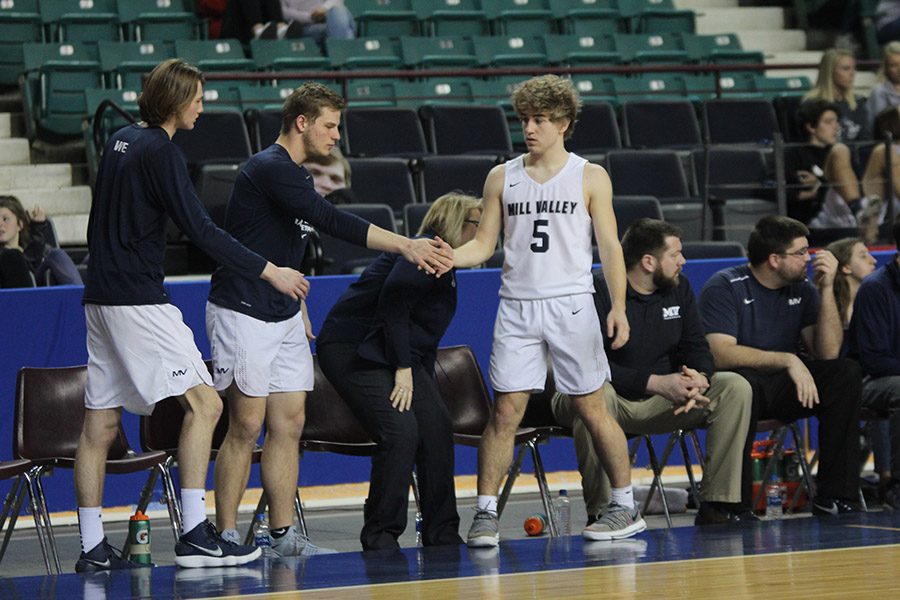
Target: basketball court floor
[[796, 557]]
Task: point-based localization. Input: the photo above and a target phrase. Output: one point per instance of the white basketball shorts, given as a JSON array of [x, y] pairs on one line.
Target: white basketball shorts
[[259, 356], [139, 355], [566, 328]]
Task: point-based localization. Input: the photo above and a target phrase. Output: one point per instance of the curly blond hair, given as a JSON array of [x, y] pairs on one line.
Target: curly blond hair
[[548, 94]]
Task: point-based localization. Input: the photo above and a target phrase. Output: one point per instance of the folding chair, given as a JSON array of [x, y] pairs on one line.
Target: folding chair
[[49, 414], [12, 506]]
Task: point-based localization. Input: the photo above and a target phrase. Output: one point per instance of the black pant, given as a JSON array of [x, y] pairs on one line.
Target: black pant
[[422, 436], [839, 383]]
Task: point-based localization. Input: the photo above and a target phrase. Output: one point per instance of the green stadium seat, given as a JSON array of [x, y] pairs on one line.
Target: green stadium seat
[[519, 17], [434, 90], [444, 51], [587, 17], [125, 63], [263, 97], [20, 22], [594, 87], [452, 17], [651, 48], [774, 87], [80, 21], [158, 20], [496, 90], [718, 48], [385, 18], [495, 51], [650, 86], [56, 77], [581, 49], [221, 95], [370, 92], [364, 53], [288, 55], [214, 55], [739, 84]]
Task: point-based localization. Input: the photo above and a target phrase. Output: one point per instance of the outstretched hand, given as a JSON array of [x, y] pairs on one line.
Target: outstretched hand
[[435, 256], [287, 281]]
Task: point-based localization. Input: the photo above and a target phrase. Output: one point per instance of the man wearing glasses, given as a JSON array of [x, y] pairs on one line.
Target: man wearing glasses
[[769, 323]]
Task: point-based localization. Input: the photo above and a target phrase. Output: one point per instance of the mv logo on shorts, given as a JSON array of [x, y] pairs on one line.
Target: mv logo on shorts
[[221, 370], [671, 312], [179, 372]]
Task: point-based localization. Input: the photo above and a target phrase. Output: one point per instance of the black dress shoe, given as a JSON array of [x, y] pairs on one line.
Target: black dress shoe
[[713, 515]]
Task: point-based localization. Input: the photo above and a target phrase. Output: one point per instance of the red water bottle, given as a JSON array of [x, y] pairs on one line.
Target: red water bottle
[[536, 524]]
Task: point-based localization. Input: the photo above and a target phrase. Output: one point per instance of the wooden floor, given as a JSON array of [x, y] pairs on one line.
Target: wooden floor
[[846, 557]]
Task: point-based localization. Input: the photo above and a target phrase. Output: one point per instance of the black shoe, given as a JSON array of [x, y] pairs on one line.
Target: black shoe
[[892, 497], [268, 32], [294, 30], [832, 507], [102, 557], [713, 515], [202, 546]]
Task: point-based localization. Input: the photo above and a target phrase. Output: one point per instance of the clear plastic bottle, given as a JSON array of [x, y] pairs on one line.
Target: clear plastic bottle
[[563, 511], [774, 498], [261, 536]]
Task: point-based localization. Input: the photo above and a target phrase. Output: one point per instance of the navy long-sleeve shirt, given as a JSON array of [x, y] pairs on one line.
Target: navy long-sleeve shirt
[[142, 179], [395, 312], [665, 333], [272, 209], [874, 332]]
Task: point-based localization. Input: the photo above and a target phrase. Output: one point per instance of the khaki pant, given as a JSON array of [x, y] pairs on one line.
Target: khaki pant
[[726, 420]]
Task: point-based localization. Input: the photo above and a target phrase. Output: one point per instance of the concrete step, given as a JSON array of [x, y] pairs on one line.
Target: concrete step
[[14, 151], [727, 20], [35, 176], [701, 4], [5, 125], [806, 57], [72, 200], [71, 229], [768, 41]]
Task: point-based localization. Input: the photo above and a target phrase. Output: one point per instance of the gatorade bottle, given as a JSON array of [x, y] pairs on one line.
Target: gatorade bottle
[[139, 538], [536, 524]]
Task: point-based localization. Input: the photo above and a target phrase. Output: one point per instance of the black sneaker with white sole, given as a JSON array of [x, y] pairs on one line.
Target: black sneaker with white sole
[[102, 557], [832, 507], [202, 546]]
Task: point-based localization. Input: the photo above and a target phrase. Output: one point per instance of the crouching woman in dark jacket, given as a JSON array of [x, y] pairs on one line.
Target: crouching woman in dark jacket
[[377, 347]]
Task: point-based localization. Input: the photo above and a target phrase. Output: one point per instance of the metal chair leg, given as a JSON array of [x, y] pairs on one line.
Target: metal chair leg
[[541, 477], [511, 476], [695, 489], [172, 502], [804, 465], [301, 518], [12, 503], [41, 520], [657, 480]]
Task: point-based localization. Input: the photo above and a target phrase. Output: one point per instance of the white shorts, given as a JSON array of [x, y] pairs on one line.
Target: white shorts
[[139, 355], [566, 327], [261, 357]]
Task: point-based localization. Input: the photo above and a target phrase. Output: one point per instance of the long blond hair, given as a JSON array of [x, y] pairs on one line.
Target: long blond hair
[[447, 216], [890, 48], [824, 88]]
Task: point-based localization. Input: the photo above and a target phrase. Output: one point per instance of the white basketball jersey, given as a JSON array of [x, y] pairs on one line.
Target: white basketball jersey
[[547, 233]]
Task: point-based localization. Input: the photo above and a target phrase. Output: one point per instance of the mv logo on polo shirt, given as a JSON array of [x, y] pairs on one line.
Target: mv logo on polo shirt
[[794, 301], [671, 312], [120, 146]]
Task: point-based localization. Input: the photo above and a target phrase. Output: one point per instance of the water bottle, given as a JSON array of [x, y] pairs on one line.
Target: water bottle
[[535, 524], [261, 537], [564, 513], [774, 498]]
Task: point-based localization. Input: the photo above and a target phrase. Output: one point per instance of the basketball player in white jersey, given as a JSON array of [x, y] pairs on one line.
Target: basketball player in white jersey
[[547, 202]]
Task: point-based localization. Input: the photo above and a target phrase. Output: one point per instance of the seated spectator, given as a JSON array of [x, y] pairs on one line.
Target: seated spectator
[[887, 21], [253, 19], [823, 188], [755, 317], [837, 74], [213, 11], [873, 183], [331, 176], [377, 347], [27, 258], [662, 378], [320, 19], [874, 340], [887, 93]]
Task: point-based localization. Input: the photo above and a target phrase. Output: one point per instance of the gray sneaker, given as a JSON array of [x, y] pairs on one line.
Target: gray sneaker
[[485, 530], [231, 535], [618, 522], [294, 543]]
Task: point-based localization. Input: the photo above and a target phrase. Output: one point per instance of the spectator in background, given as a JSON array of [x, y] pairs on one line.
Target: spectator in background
[[824, 191], [213, 11], [837, 74], [331, 176], [887, 21], [887, 93], [28, 233], [253, 19], [874, 340], [320, 19], [874, 177]]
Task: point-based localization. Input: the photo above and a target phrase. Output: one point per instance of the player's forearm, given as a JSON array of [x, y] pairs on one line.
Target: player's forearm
[[472, 254]]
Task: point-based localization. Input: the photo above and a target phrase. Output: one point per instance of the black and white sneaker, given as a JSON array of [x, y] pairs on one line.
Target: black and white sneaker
[[202, 546], [102, 557], [832, 507]]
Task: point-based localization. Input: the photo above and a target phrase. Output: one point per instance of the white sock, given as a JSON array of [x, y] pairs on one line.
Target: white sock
[[193, 508], [90, 525], [623, 497], [488, 503]]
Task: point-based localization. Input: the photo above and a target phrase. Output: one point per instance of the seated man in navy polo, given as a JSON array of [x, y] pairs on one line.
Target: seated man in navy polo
[[757, 317]]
